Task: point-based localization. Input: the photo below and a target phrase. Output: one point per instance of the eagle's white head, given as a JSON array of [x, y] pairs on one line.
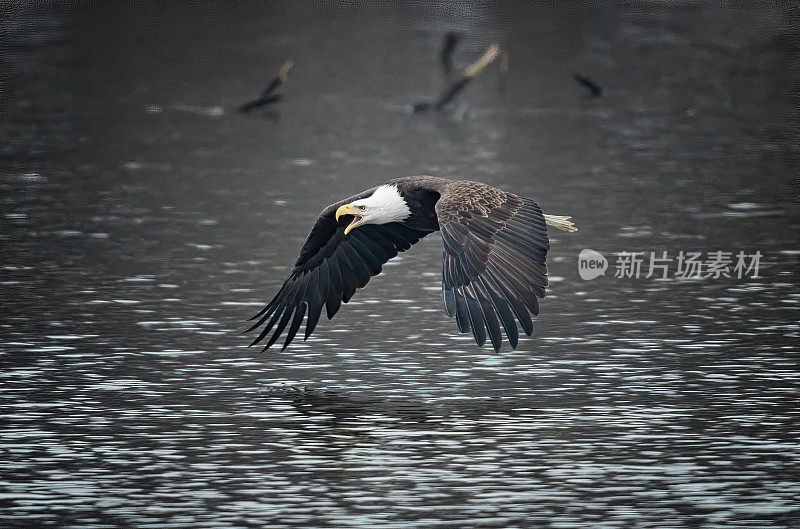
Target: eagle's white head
[[385, 205]]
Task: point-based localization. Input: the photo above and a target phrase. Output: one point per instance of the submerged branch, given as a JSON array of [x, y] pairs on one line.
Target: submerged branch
[[462, 80], [267, 97], [449, 46], [595, 89]]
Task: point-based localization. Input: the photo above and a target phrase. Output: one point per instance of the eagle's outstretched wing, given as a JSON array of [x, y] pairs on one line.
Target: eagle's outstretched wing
[[329, 269], [495, 244]]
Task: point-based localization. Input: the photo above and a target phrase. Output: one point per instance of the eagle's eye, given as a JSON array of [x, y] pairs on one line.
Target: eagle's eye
[[362, 208]]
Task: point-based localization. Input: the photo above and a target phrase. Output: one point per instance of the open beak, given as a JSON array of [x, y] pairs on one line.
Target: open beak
[[348, 209]]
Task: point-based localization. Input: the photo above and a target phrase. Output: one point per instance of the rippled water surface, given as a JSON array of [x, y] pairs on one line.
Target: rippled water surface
[[144, 219]]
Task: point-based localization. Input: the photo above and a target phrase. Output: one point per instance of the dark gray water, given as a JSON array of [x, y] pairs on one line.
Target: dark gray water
[[143, 220]]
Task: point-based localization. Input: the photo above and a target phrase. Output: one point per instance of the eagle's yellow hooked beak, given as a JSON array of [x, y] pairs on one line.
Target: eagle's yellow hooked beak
[[349, 209]]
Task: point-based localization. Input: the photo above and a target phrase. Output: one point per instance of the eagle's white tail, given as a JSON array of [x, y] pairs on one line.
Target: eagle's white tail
[[561, 222]]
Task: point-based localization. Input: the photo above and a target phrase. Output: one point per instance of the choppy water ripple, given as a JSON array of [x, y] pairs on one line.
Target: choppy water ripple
[[143, 222]]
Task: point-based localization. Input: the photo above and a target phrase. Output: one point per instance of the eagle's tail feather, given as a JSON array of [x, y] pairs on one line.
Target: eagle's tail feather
[[562, 222]]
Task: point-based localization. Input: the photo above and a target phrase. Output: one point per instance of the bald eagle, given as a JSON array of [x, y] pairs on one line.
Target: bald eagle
[[493, 266]]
